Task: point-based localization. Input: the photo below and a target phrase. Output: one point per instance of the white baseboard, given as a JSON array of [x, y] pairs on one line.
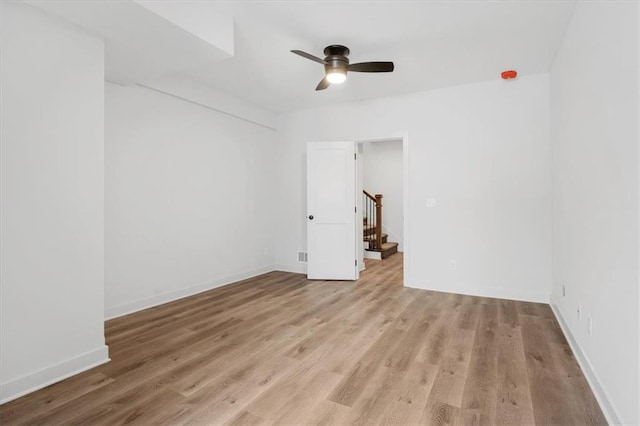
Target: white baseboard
[[372, 255], [296, 269], [53, 374], [493, 292], [149, 302], [592, 378]]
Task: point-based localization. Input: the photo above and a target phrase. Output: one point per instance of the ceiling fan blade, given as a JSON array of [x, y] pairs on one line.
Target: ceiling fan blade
[[371, 67], [309, 56], [324, 83]]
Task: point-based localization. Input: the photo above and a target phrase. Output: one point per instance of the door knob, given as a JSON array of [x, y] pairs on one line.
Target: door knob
[[311, 217]]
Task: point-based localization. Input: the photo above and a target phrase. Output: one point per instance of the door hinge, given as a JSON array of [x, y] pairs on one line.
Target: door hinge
[[355, 156], [355, 209], [356, 262]]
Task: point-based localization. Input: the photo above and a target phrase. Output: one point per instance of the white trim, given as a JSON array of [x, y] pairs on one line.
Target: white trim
[[406, 234], [372, 255], [149, 302], [302, 269], [493, 292], [589, 373], [295, 269], [404, 135], [53, 374]]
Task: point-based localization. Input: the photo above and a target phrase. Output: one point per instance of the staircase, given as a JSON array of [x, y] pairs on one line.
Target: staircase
[[375, 241]]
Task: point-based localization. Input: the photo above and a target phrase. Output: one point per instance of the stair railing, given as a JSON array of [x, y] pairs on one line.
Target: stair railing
[[372, 219]]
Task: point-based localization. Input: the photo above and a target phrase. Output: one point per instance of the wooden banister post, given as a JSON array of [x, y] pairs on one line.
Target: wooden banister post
[[378, 221]]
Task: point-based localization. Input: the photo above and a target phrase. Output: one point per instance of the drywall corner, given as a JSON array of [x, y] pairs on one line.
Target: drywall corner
[[53, 374], [592, 378]]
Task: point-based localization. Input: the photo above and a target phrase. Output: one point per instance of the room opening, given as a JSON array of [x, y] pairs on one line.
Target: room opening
[[380, 190]]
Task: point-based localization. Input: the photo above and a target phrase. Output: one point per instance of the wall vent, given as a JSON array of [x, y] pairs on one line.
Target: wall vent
[[302, 257]]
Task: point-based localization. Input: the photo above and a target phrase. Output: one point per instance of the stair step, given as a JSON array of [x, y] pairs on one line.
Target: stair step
[[387, 249]]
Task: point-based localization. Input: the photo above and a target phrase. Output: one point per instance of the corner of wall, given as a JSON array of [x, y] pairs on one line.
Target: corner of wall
[[55, 373], [160, 299], [296, 269], [491, 292], [585, 365]]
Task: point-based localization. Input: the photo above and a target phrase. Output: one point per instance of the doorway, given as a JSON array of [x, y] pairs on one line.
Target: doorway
[[382, 185], [335, 211]]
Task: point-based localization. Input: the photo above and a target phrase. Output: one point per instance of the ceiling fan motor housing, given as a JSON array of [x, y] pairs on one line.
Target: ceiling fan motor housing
[[336, 58], [336, 50]]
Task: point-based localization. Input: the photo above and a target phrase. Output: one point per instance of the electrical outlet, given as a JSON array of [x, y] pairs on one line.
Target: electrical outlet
[[579, 311], [431, 202], [589, 325], [564, 291], [452, 265]]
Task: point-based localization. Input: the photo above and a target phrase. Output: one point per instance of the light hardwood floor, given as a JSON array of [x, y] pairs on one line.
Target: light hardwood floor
[[278, 349]]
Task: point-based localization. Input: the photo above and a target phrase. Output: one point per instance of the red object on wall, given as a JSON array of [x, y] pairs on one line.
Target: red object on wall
[[508, 75]]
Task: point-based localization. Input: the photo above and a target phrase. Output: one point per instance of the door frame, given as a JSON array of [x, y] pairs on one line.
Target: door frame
[[404, 136]]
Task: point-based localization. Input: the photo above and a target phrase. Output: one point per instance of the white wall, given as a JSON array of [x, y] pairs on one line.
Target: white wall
[[359, 212], [52, 148], [481, 150], [183, 87], [188, 199], [594, 129], [382, 163]]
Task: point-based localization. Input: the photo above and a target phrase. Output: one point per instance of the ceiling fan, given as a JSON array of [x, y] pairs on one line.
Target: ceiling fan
[[336, 65]]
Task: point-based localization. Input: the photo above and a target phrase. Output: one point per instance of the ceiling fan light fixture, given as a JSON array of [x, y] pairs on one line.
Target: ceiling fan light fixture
[[337, 64], [336, 76]]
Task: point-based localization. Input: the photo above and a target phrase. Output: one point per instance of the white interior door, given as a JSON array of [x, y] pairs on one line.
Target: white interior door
[[331, 211]]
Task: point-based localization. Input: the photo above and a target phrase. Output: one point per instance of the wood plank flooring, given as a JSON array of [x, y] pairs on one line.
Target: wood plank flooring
[[278, 349]]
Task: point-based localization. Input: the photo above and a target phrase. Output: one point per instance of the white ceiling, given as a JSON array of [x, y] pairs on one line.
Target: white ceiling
[[242, 48], [433, 44], [149, 39]]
